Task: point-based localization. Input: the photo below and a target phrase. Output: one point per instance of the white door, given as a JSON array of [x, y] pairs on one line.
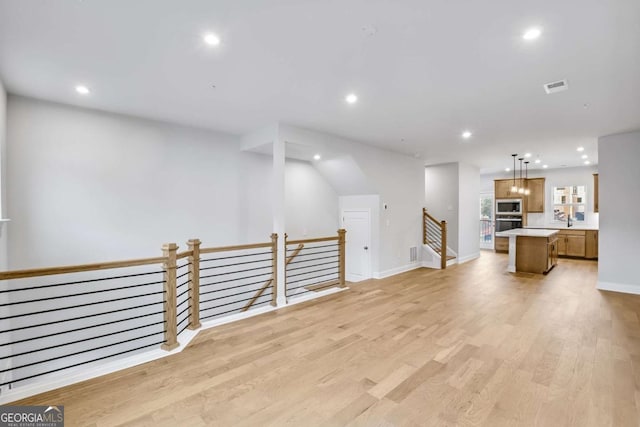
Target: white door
[[358, 252]]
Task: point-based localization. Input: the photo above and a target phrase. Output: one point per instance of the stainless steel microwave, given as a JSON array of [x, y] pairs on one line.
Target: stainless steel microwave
[[508, 206]]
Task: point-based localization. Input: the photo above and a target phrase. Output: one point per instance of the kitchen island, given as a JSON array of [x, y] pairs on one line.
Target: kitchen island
[[531, 250]]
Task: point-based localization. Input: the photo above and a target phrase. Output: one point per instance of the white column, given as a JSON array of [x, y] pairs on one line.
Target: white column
[[512, 254], [279, 211]]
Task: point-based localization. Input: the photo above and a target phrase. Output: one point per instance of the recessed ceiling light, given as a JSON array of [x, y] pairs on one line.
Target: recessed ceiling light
[[580, 149], [527, 155], [82, 90], [211, 39], [466, 134], [545, 166], [532, 33], [537, 161], [584, 156], [316, 157], [507, 169], [587, 162], [352, 98]]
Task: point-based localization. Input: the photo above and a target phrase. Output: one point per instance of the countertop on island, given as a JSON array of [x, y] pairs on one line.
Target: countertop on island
[[528, 232], [563, 227]]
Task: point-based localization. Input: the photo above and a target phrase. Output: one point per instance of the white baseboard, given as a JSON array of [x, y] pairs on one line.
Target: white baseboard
[[434, 264], [625, 288], [468, 258], [397, 270]]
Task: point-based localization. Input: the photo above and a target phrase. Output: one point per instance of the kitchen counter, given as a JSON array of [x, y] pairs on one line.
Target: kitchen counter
[[530, 232], [531, 250], [563, 227]]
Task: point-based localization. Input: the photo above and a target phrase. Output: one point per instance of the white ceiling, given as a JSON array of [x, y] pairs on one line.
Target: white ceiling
[[424, 71]]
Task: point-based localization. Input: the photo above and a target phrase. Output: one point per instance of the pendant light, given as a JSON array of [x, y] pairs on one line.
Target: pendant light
[[514, 187], [521, 189], [526, 178]]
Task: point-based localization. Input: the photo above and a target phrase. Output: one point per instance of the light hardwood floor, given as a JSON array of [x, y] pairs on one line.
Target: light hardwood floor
[[471, 345]]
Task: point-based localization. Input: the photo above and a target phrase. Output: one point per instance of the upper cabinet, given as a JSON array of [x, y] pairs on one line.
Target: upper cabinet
[[535, 200], [503, 189], [595, 193]]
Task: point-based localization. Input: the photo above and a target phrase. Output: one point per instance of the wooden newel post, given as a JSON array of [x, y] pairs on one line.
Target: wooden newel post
[[274, 268], [424, 226], [443, 249], [194, 283], [284, 279], [341, 242], [170, 311]]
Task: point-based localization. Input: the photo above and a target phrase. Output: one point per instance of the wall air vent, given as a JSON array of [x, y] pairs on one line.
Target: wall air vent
[[413, 254], [554, 87]]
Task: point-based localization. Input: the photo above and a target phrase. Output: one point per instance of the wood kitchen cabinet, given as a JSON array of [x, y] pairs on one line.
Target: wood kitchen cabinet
[[501, 244], [502, 189], [591, 244], [575, 245], [596, 208], [552, 253], [562, 245], [571, 243], [535, 199], [536, 254]]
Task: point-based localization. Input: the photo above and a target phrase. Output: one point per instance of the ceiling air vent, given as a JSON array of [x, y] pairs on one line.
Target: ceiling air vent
[[554, 87]]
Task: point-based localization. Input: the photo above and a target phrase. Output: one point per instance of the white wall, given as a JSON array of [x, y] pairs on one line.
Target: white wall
[[3, 182], [4, 264], [452, 194], [311, 203], [554, 178], [442, 199], [88, 186], [619, 206], [399, 181], [468, 212]]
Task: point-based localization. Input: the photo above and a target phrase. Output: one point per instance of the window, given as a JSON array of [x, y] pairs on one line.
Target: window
[[569, 202]]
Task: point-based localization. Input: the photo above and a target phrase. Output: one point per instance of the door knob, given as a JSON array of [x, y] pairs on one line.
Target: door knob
[[366, 248]]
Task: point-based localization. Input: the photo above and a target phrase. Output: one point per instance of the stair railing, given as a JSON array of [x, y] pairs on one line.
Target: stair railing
[[434, 234], [315, 264]]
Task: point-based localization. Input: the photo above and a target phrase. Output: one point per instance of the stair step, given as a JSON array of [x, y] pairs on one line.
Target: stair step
[[450, 257]]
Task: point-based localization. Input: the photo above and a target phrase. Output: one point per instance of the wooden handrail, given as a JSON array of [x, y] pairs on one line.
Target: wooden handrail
[[441, 226], [20, 274], [433, 219], [258, 294], [234, 248], [294, 254], [270, 281], [184, 254], [319, 239], [322, 285]]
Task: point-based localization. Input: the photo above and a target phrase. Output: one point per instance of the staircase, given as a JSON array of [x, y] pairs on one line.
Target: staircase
[[434, 239]]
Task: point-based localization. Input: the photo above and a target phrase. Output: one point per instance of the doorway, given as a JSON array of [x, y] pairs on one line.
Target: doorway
[[358, 252], [486, 221]]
